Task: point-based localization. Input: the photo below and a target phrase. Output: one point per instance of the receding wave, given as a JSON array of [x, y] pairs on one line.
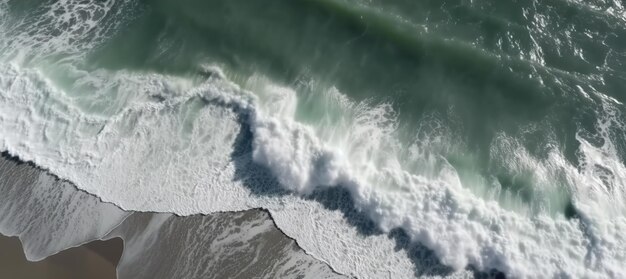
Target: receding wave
[[354, 124]]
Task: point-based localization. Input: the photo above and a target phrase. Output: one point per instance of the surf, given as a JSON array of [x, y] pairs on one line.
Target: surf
[[226, 137]]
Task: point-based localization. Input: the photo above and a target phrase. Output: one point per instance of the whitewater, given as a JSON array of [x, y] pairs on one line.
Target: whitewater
[[339, 173]]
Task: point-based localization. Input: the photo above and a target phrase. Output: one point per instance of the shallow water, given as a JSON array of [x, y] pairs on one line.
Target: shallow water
[[489, 135], [67, 233]]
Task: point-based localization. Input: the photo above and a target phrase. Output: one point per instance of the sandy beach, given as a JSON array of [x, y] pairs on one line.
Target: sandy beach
[[95, 260], [51, 215]]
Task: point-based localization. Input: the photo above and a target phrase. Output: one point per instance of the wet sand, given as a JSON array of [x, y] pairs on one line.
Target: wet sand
[[96, 260], [50, 215]]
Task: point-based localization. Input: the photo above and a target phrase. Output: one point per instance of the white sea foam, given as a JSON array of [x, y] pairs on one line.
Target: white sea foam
[[152, 142], [49, 215], [195, 174]]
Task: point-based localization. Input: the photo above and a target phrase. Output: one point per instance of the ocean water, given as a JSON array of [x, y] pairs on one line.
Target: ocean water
[[51, 215], [389, 138]]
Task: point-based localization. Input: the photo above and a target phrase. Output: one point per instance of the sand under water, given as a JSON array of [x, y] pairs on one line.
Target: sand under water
[[57, 224], [389, 138]]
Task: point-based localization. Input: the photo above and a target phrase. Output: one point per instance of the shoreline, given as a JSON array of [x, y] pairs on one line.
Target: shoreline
[[96, 259], [105, 247]]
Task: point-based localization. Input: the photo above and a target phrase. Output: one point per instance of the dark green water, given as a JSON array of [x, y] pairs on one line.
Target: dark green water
[[523, 100], [481, 70]]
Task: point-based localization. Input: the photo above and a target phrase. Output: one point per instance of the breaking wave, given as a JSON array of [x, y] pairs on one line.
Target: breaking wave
[[212, 138]]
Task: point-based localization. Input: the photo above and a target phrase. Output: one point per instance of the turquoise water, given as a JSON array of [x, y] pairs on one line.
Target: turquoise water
[[522, 100]]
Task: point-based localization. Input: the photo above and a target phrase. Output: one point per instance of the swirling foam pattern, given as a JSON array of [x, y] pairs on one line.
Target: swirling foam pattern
[[492, 136]]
